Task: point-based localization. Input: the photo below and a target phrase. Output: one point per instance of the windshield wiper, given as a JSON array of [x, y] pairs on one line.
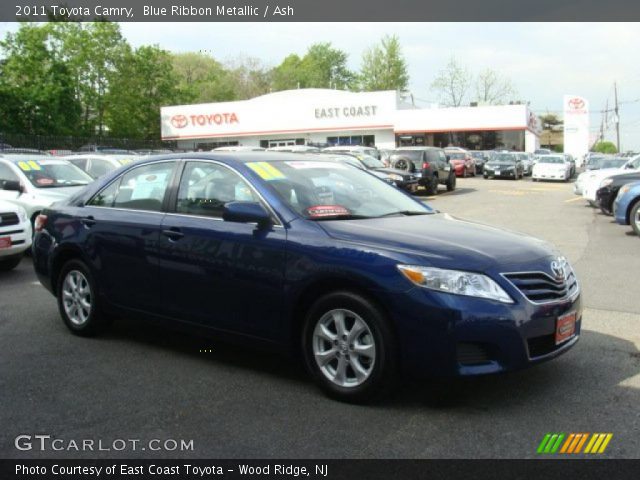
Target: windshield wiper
[[339, 217], [405, 212]]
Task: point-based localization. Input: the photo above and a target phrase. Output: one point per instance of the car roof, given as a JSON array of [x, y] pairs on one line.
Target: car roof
[[426, 147], [238, 156], [15, 158]]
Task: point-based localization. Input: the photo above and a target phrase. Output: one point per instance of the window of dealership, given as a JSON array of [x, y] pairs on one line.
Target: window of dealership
[[324, 117]]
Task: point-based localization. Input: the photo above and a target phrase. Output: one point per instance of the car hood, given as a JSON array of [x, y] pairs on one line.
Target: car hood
[[52, 195], [626, 177], [445, 241], [6, 206], [500, 165], [596, 176]]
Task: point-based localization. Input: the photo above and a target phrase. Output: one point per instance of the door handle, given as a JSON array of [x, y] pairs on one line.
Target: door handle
[[173, 234], [88, 221]]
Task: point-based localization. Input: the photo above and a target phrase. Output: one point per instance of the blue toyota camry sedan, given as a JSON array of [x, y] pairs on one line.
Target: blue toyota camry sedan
[[310, 255]]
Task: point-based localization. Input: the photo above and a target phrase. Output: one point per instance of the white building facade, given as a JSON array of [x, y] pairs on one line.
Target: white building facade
[[326, 117]]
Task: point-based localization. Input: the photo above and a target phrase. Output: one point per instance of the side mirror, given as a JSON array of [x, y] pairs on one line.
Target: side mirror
[[448, 157], [246, 212], [13, 185]]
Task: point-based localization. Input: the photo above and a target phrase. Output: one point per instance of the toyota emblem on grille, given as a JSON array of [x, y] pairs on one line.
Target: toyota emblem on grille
[[557, 268]]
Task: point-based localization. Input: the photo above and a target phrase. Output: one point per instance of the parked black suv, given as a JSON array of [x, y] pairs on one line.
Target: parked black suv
[[430, 163]]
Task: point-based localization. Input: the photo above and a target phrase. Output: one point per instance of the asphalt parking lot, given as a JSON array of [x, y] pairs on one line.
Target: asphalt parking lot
[[143, 382]]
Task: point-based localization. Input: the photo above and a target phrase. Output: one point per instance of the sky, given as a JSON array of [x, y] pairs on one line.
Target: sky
[[543, 60]]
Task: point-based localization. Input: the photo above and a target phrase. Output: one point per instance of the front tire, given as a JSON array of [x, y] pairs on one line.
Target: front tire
[[634, 218], [349, 347], [78, 301]]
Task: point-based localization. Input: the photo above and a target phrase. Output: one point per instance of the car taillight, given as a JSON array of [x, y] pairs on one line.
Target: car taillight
[[425, 165], [40, 223]]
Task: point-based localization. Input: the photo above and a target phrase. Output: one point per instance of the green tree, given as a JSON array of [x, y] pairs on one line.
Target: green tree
[[321, 67], [605, 147], [91, 51], [287, 75], [36, 89], [452, 83], [384, 67], [145, 81], [202, 79]]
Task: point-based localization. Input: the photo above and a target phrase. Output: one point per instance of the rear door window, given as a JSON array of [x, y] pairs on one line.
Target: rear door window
[[144, 188]]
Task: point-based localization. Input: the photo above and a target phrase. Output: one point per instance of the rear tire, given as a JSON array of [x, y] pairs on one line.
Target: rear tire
[[78, 301], [349, 347], [451, 183], [432, 186], [9, 263]]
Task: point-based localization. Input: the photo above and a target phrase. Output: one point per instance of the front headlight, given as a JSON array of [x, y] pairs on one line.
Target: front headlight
[[397, 178], [605, 182], [22, 215], [456, 282]]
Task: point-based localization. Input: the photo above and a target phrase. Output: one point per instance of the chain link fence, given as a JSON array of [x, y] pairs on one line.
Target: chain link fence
[[59, 142]]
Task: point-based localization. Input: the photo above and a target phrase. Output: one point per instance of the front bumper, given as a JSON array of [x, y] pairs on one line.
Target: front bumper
[[550, 176], [465, 336], [20, 239], [503, 173], [409, 185], [605, 197]]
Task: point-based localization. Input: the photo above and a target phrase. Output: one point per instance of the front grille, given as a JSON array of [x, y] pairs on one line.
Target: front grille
[[541, 288], [473, 353], [8, 219]]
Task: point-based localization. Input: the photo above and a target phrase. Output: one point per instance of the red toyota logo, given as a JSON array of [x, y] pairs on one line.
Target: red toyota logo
[[179, 121], [576, 103]]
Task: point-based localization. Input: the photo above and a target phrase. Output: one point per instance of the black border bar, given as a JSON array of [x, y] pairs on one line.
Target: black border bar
[[539, 469], [321, 10]]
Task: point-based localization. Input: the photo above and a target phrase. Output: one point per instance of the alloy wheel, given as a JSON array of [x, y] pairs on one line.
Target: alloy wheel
[[344, 348], [76, 297]]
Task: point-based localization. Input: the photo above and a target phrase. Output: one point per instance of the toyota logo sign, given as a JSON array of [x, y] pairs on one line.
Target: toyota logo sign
[[576, 103], [179, 121], [557, 268]]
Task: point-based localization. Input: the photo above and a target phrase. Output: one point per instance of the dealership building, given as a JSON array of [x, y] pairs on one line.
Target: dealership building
[[335, 117]]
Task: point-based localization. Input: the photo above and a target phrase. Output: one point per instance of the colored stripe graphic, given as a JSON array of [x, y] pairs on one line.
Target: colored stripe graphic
[[551, 442], [572, 443], [598, 443]]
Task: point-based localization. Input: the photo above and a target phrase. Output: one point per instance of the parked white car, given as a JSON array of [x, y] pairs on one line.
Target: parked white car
[[592, 182], [551, 167], [238, 148], [15, 235], [36, 182], [353, 149], [603, 164], [99, 165]]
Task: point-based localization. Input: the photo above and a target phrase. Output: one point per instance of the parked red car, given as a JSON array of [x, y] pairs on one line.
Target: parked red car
[[462, 163]]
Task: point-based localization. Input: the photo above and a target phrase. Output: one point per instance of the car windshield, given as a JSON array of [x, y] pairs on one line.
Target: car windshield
[[613, 162], [456, 155], [52, 174], [328, 190], [370, 162], [551, 160], [503, 158], [479, 155]]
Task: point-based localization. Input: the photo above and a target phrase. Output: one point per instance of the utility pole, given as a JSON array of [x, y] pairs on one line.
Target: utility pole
[[615, 95]]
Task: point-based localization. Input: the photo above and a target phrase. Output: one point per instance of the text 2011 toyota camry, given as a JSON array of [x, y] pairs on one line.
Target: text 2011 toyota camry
[[310, 255]]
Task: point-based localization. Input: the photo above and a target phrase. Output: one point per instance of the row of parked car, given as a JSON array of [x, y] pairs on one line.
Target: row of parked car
[[612, 184]]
